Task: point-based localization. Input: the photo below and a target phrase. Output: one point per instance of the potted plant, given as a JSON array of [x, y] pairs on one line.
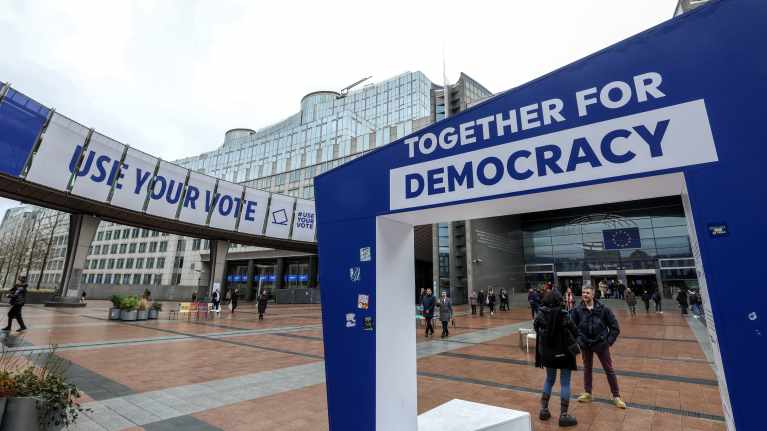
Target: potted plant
[[154, 311], [128, 308], [143, 309], [36, 397], [114, 312]]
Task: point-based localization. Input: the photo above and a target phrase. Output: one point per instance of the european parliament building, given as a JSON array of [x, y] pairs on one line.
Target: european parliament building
[[569, 247]]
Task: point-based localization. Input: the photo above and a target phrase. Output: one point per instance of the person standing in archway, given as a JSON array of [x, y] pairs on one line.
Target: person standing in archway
[[681, 298], [658, 301], [555, 349], [597, 331]]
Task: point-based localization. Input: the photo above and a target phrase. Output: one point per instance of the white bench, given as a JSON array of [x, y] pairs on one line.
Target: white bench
[[460, 415]]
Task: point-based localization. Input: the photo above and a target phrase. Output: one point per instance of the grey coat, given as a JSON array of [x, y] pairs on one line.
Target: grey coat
[[445, 309]]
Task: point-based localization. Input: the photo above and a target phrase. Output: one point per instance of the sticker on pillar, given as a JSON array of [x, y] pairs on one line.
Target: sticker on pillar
[[59, 154], [198, 199], [253, 211], [166, 190], [132, 183], [304, 223], [367, 323], [228, 206], [280, 215], [365, 254], [99, 169], [362, 301], [355, 273], [351, 320]]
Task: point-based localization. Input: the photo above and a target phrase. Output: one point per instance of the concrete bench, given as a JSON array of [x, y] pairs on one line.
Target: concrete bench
[[460, 415]]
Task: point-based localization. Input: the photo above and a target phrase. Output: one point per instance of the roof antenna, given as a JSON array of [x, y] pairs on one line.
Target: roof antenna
[[446, 88]]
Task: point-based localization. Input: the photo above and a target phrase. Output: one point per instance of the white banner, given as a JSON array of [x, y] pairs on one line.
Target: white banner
[[132, 185], [279, 217], [253, 211], [99, 168], [660, 139], [167, 190], [198, 199], [59, 153], [305, 221], [228, 206]]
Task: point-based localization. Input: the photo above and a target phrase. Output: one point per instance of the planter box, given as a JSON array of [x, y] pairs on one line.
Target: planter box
[[21, 414], [142, 315], [128, 315], [114, 314], [153, 314]]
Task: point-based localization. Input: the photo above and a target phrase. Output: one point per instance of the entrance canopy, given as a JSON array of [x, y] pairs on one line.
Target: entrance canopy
[[676, 110]]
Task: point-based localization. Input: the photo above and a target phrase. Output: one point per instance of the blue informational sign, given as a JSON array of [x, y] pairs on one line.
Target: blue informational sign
[[292, 278], [229, 278], [303, 278], [677, 110], [616, 239]]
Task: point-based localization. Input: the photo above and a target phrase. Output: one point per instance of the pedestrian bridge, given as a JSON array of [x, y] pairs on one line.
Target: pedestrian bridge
[[49, 160]]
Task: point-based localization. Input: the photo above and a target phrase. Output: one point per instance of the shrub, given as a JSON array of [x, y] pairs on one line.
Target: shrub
[[129, 303], [56, 399], [116, 301]]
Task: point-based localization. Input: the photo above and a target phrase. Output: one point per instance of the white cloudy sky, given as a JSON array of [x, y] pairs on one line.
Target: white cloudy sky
[[170, 77]]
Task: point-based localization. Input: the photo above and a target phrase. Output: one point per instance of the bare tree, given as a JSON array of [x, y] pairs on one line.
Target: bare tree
[[48, 249]]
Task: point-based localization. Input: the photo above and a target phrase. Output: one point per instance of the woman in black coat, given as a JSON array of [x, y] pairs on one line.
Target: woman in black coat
[[556, 348]]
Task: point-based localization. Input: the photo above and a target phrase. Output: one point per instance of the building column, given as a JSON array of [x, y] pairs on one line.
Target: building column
[[82, 230], [218, 250], [279, 274], [312, 271], [249, 283]]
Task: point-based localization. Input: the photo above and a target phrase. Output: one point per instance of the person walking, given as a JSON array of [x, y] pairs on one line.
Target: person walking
[[235, 298], [569, 299], [556, 347], [534, 299], [84, 297], [263, 300], [481, 299], [17, 299], [631, 301], [646, 299], [504, 300], [658, 301], [473, 303], [216, 300], [597, 330], [491, 298], [428, 303], [621, 290], [445, 313], [681, 298]]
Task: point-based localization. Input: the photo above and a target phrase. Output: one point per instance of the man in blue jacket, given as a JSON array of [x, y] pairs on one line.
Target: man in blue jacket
[[597, 331]]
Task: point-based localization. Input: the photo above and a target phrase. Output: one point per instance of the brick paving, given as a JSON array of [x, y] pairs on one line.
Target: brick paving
[[239, 373]]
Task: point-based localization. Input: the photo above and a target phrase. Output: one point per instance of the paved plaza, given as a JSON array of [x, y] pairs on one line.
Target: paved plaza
[[238, 373]]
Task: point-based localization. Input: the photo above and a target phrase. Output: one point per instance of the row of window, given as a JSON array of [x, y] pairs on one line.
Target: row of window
[[127, 263], [155, 279], [126, 233], [124, 248]]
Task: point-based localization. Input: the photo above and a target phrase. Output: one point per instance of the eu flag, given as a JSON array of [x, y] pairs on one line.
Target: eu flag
[[616, 239]]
